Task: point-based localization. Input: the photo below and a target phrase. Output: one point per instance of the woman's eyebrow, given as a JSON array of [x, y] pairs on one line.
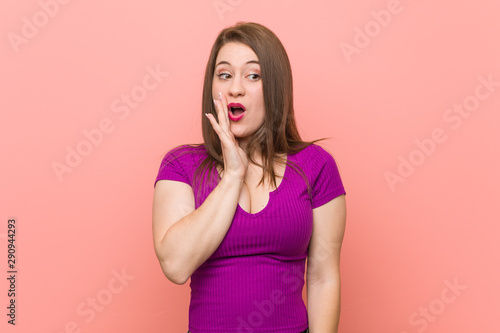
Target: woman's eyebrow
[[227, 63]]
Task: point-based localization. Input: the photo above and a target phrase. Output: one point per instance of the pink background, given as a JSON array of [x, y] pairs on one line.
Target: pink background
[[407, 242]]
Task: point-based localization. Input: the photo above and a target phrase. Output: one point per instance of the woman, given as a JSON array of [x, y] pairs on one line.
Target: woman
[[240, 213]]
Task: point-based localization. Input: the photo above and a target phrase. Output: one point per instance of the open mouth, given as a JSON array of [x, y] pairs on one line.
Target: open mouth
[[236, 109]]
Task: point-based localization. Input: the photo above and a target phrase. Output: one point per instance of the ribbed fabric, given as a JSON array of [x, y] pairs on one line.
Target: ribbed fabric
[[253, 282]]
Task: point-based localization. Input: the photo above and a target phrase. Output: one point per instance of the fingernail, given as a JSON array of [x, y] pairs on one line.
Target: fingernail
[[215, 102], [206, 114], [220, 95]]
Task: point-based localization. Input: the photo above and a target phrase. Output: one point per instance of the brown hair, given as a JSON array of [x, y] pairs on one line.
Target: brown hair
[[278, 134]]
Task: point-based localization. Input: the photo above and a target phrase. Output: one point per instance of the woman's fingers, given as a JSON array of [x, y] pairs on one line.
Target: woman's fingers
[[219, 128], [223, 120], [212, 121], [221, 109], [234, 158], [224, 111]]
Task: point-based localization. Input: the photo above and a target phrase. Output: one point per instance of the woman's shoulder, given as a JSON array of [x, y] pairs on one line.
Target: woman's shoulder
[[315, 158], [185, 153], [187, 149], [313, 151]]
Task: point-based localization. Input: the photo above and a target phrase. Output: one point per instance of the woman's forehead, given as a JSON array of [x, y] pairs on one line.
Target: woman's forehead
[[236, 54]]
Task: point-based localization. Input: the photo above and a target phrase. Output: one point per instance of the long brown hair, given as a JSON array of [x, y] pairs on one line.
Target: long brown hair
[[278, 134]]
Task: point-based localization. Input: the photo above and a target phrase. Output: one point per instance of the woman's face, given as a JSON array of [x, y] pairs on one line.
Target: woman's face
[[237, 77]]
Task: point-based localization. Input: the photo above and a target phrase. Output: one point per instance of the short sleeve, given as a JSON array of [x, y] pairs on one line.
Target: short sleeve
[[171, 167], [327, 184]]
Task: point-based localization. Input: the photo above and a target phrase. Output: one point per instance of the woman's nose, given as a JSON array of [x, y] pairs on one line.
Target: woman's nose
[[236, 88]]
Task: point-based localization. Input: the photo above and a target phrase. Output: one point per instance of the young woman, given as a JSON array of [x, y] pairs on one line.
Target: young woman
[[240, 213]]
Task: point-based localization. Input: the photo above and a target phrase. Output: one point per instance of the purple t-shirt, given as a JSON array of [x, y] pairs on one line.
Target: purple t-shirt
[[253, 281]]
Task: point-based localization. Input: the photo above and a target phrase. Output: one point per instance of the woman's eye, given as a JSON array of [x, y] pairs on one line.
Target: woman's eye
[[224, 76], [254, 77]]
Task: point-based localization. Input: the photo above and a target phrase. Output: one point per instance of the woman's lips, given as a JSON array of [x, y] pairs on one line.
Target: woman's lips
[[236, 111], [235, 118]]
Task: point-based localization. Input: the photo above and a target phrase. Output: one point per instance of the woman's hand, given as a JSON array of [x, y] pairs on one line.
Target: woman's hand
[[235, 159]]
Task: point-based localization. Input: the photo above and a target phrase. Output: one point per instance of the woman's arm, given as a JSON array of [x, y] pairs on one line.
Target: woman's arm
[[184, 237], [323, 266]]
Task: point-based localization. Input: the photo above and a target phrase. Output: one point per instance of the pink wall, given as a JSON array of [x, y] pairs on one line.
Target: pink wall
[[401, 87]]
